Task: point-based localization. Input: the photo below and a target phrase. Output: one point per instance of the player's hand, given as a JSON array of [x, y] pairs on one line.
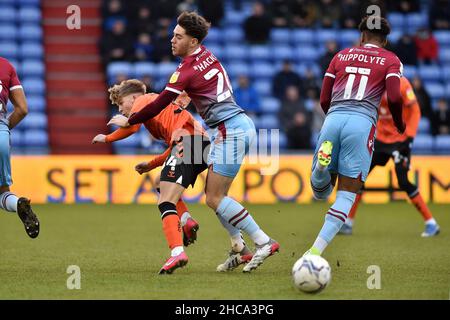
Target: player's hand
[[100, 138], [142, 167], [119, 120]]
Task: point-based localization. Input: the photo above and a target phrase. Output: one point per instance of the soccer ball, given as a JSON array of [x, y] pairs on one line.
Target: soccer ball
[[311, 274]]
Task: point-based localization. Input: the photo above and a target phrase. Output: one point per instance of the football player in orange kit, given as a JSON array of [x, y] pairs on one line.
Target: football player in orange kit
[[182, 133], [391, 144]]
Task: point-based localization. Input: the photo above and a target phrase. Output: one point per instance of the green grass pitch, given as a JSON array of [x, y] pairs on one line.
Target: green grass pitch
[[120, 248]]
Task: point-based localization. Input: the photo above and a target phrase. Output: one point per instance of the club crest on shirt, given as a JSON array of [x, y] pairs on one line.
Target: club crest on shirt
[[174, 77]]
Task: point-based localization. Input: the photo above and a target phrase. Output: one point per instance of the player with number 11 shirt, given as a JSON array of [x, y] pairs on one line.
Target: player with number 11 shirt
[[205, 80]]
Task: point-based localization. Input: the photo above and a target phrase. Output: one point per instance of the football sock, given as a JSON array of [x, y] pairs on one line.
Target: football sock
[[318, 246], [182, 212], [321, 182], [352, 214], [171, 225], [422, 207], [336, 215], [176, 251], [8, 201], [237, 242], [237, 216]]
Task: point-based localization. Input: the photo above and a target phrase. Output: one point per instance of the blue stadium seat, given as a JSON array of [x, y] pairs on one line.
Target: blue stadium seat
[[282, 52], [119, 67], [35, 138], [423, 143], [442, 144], [446, 73], [270, 105], [16, 138], [234, 17], [435, 90], [233, 35], [236, 52], [133, 141], [9, 50], [217, 50], [35, 3], [36, 103], [301, 68], [8, 31], [30, 32], [346, 38], [261, 70], [396, 20], [394, 36], [283, 143], [306, 54], [409, 71], [33, 50], [280, 36], [303, 36], [264, 87], [444, 55], [8, 14], [214, 35], [268, 121], [430, 73], [442, 37], [424, 125], [34, 86], [324, 35], [415, 21], [34, 120], [260, 53], [235, 69], [32, 68], [447, 90], [165, 69], [144, 68], [29, 14]]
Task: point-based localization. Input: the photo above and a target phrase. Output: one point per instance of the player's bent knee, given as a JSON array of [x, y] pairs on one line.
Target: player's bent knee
[[213, 201]]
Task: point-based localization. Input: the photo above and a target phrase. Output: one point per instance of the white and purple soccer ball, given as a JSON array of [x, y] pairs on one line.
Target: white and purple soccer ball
[[311, 274]]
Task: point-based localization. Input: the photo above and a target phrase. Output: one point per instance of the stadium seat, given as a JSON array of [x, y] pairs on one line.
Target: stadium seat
[[214, 35], [9, 50], [447, 90], [133, 141], [282, 52], [394, 36], [29, 14], [34, 86], [396, 20], [236, 52], [270, 105], [424, 125], [233, 35], [442, 143], [409, 71], [306, 54], [444, 55], [423, 143], [30, 32], [442, 37], [280, 36], [415, 21], [234, 17], [260, 70], [218, 51], [35, 138], [8, 31], [35, 3], [268, 121], [303, 36], [301, 68], [7, 14], [260, 53], [32, 68], [263, 87], [346, 38], [31, 50], [34, 120], [283, 140], [119, 67], [446, 73], [235, 69], [36, 103], [165, 69], [435, 90], [141, 69], [16, 138], [324, 35], [430, 73]]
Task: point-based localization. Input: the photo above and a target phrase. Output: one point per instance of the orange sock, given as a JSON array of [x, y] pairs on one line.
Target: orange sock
[[181, 208], [421, 207], [354, 208], [172, 230]]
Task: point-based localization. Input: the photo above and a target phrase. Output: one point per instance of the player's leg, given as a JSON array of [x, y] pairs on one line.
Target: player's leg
[[402, 162], [188, 223], [354, 159], [8, 200], [231, 142], [322, 179]]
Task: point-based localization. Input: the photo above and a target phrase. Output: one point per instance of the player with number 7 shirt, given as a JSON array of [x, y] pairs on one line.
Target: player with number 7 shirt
[[352, 89], [206, 82]]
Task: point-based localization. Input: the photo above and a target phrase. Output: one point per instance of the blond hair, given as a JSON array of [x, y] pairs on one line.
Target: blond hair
[[126, 87]]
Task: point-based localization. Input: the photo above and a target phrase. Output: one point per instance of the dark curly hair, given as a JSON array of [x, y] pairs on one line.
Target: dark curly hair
[[195, 25], [376, 27]]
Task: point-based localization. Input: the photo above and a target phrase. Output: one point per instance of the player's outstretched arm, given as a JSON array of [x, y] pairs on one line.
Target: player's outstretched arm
[[118, 134], [19, 102], [154, 108], [394, 99]]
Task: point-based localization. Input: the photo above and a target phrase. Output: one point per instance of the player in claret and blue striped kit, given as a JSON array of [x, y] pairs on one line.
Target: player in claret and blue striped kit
[[351, 93]]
